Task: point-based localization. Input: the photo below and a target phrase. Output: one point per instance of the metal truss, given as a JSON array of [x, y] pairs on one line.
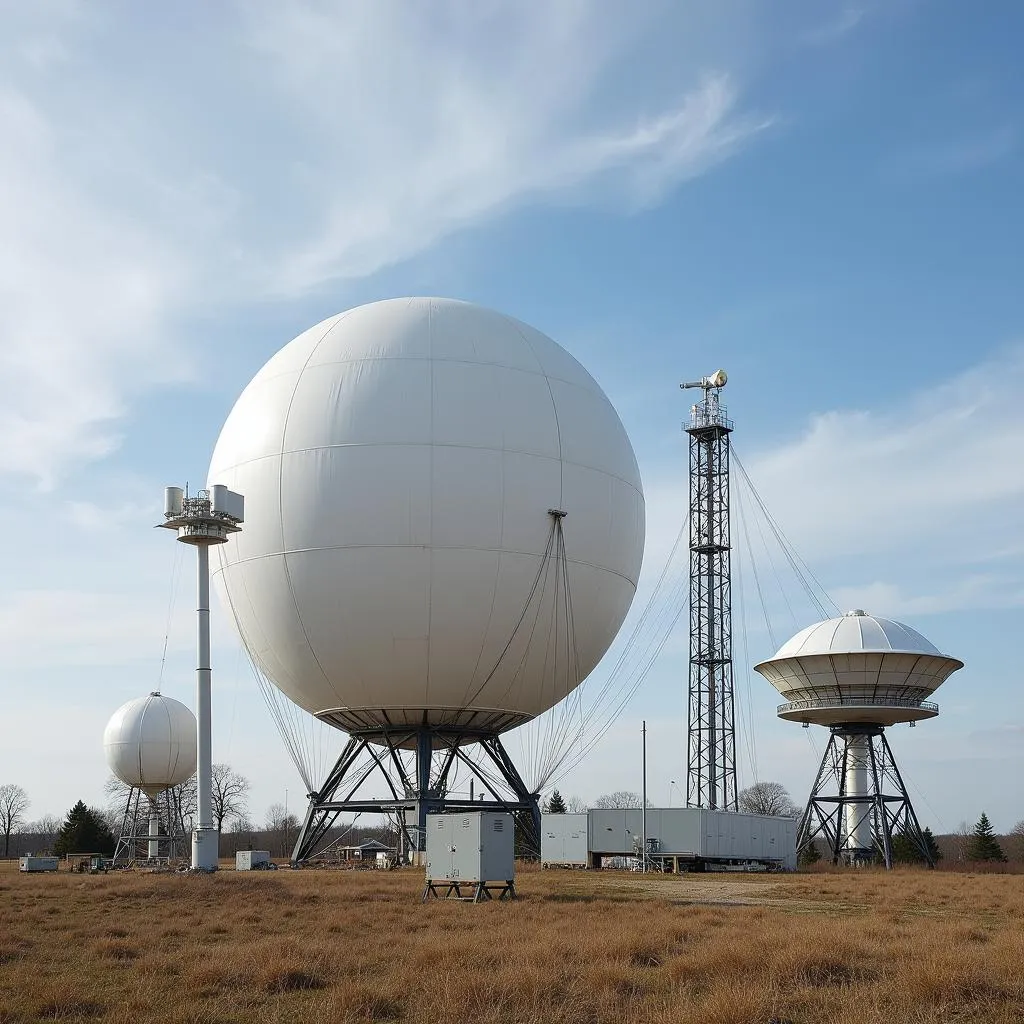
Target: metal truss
[[711, 741], [416, 789], [134, 838], [885, 806]]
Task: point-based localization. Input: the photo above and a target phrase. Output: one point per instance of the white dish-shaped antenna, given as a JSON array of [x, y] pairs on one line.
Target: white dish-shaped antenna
[[858, 668], [399, 462], [150, 743]]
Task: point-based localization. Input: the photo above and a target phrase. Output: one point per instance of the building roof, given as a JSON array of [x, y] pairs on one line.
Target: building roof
[[854, 632]]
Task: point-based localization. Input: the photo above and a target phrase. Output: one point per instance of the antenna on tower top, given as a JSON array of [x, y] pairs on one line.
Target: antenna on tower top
[[709, 412], [716, 382]]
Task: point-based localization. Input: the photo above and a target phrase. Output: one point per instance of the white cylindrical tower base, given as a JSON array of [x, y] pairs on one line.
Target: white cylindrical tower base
[[154, 832], [204, 849], [859, 833]]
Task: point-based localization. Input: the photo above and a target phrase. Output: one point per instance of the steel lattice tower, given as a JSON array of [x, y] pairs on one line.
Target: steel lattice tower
[[711, 741]]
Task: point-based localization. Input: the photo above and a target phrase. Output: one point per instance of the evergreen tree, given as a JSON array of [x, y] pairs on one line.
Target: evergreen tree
[[84, 831], [983, 843], [556, 805], [810, 854], [906, 849]]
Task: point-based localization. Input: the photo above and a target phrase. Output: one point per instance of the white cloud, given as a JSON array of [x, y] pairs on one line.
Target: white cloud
[[912, 508], [973, 590], [311, 142], [85, 294], [937, 473], [467, 110]]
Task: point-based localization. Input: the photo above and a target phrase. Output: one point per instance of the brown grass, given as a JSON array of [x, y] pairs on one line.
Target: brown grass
[[577, 948]]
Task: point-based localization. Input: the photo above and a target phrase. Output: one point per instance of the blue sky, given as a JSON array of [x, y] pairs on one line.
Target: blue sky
[[824, 198]]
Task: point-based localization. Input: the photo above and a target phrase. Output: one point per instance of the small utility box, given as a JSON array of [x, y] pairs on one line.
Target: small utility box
[[252, 860], [31, 863], [471, 855]]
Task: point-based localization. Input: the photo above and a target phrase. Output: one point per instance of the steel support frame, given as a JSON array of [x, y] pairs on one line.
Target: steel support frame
[[887, 802], [711, 728], [414, 794], [134, 838], [479, 892]]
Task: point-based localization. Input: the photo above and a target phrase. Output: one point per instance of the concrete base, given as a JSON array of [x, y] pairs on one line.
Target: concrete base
[[205, 849]]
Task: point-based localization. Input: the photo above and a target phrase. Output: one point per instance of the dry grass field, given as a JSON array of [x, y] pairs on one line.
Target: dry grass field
[[323, 946]]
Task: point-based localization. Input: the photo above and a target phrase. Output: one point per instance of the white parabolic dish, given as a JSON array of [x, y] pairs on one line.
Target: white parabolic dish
[[150, 743], [398, 462]]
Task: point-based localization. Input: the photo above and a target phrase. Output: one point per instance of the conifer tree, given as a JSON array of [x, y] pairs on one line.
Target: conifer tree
[[809, 855], [907, 850], [84, 831], [556, 805], [983, 843]]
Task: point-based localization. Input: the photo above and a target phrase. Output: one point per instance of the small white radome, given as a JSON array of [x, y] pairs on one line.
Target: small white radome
[[858, 668], [150, 743]]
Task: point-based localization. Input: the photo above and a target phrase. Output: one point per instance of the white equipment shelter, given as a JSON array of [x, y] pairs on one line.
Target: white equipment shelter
[[473, 849]]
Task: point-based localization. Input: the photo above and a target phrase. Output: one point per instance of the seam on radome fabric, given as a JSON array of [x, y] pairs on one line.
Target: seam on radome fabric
[[280, 494], [421, 444], [439, 547]]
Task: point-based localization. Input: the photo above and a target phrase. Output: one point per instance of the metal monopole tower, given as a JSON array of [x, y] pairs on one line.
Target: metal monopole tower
[[210, 517], [711, 741]]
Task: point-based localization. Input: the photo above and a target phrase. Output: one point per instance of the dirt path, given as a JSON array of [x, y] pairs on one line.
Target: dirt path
[[716, 889]]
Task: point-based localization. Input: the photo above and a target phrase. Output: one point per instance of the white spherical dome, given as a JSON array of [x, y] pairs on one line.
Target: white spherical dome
[[398, 462], [150, 743], [856, 631]]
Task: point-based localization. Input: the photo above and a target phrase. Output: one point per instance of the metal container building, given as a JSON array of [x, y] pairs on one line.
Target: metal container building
[[31, 863], [678, 838], [563, 840]]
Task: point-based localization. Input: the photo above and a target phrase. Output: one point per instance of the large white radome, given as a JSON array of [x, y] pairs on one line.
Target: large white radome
[[150, 743], [398, 462]]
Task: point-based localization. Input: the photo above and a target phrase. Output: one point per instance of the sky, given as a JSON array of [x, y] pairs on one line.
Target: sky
[[823, 198]]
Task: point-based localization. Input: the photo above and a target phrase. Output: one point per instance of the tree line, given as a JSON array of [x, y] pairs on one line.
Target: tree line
[[86, 829], [95, 829]]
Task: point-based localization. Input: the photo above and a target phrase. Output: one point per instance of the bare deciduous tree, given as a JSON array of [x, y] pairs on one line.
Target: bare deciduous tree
[[241, 823], [963, 839], [184, 796], [768, 798], [1015, 841], [576, 805], [230, 795], [47, 825], [284, 826], [13, 804], [620, 798]]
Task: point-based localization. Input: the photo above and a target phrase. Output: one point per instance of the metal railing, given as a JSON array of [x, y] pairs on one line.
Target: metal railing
[[702, 416], [858, 702]]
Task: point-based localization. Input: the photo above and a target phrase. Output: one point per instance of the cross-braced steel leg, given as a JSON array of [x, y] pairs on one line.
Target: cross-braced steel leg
[[876, 799], [422, 790]]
